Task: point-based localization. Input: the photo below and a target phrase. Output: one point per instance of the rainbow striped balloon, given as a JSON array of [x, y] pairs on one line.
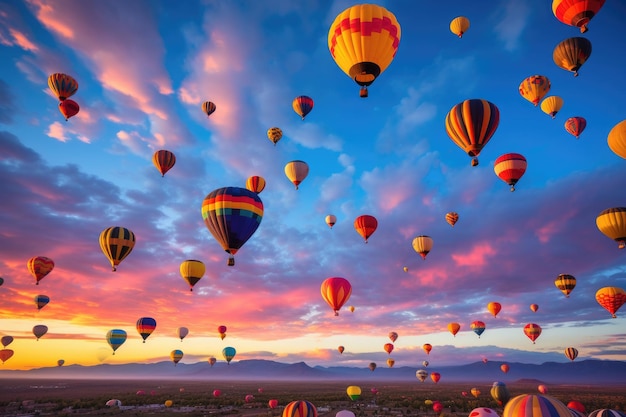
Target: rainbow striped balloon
[[527, 405], [300, 409]]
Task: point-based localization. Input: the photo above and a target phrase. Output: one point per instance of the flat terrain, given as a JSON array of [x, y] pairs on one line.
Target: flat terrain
[[25, 397]]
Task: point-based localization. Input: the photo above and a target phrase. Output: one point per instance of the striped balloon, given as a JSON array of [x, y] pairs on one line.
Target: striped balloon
[[510, 168], [566, 283], [336, 291], [116, 244], [572, 53], [452, 218], [576, 13], [300, 409], [255, 184], [575, 125], [116, 338], [39, 267], [163, 160], [606, 412], [576, 413], [62, 85], [145, 327], [192, 271], [571, 353], [612, 223], [527, 405], [208, 108], [532, 331], [302, 105], [232, 215]]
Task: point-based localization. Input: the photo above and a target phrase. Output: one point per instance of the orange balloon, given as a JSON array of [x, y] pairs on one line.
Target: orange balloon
[[494, 308], [388, 347], [336, 291], [504, 368], [454, 328], [365, 225], [427, 348]]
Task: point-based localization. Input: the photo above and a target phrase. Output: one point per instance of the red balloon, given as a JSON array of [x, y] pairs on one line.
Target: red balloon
[[272, 403], [69, 108], [217, 393], [365, 225], [577, 405], [336, 291]]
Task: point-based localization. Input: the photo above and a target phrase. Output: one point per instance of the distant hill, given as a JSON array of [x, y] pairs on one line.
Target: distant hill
[[587, 372]]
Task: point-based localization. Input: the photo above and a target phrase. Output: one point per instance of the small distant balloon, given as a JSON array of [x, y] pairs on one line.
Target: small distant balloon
[[208, 108], [176, 355], [40, 330], [331, 219], [255, 183], [532, 331], [575, 125], [163, 160], [452, 218], [274, 134], [182, 332], [116, 338], [6, 340], [302, 105], [459, 25], [534, 307]]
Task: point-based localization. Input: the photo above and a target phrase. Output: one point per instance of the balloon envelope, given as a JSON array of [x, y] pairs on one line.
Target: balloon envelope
[[255, 183], [299, 409], [274, 134], [145, 327], [354, 392], [617, 139], [478, 327], [62, 85], [575, 125], [510, 168], [116, 338], [116, 243], [532, 331], [459, 25], [6, 354], [612, 223], [208, 108], [422, 245], [176, 355], [6, 340], [40, 330], [483, 412], [576, 13], [182, 332], [331, 219], [41, 301], [296, 172], [534, 88], [39, 267], [572, 53], [302, 105], [611, 298], [365, 225], [229, 353], [454, 328], [192, 271], [163, 160], [336, 291], [526, 405]]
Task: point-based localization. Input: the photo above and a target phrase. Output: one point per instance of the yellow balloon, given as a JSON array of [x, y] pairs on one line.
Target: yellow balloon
[[459, 25], [617, 139], [612, 222], [363, 41], [551, 105], [192, 271], [296, 171], [534, 88]]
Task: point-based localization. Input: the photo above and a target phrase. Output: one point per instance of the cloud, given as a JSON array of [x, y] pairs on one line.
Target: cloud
[[512, 20]]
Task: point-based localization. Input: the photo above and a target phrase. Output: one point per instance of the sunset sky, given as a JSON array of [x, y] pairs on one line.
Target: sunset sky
[[145, 67]]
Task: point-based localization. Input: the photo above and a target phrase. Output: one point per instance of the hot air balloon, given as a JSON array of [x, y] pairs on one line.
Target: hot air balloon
[[388, 347], [168, 403], [341, 349], [435, 376], [255, 183], [336, 291], [374, 391], [542, 389], [116, 338], [427, 348], [606, 412], [229, 353], [217, 393], [208, 107], [113, 403], [212, 361], [365, 225], [470, 124], [452, 218], [273, 403], [354, 392], [617, 139], [145, 327], [222, 331], [510, 168], [532, 331], [454, 328], [611, 298], [232, 215], [405, 269], [571, 353], [345, 413], [300, 409], [1, 281], [351, 308], [39, 267], [576, 13], [274, 134], [483, 412], [302, 105], [192, 271], [176, 355], [182, 332], [576, 405], [41, 301], [572, 53], [534, 308], [494, 308], [163, 160], [421, 375], [500, 393], [296, 171], [372, 366], [527, 405], [393, 336], [504, 368], [534, 88], [5, 354], [551, 105], [612, 223], [422, 244], [475, 392], [40, 330], [575, 125], [60, 362], [425, 363], [478, 327], [116, 244], [363, 41], [69, 108], [62, 86], [6, 340], [565, 283], [459, 25], [331, 219], [437, 407]]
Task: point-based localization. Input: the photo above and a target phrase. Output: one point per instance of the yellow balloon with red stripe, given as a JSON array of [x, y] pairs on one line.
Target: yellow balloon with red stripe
[[336, 291], [363, 40]]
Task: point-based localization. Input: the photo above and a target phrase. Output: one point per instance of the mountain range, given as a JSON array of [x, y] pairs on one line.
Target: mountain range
[[587, 372]]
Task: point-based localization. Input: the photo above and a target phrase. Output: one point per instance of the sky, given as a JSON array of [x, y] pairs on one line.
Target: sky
[[145, 67]]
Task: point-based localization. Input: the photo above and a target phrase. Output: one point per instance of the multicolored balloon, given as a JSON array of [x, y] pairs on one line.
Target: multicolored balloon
[[566, 283], [299, 408], [571, 353], [576, 13], [62, 86], [208, 108], [500, 393], [527, 405], [176, 355], [510, 168], [611, 298], [163, 160], [255, 183], [116, 338], [336, 291], [354, 392], [572, 53], [423, 245], [302, 105], [229, 353], [116, 243], [532, 331], [365, 225], [534, 88], [222, 331], [41, 301], [575, 125], [478, 327], [330, 220], [452, 218], [145, 327], [39, 267]]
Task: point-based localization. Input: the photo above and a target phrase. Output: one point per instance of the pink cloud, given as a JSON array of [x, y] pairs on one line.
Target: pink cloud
[[57, 131], [476, 257], [22, 41]]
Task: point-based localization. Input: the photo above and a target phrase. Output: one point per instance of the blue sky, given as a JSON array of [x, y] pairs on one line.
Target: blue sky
[[144, 68]]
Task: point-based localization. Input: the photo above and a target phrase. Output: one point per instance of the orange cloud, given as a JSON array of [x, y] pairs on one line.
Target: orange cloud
[[22, 41]]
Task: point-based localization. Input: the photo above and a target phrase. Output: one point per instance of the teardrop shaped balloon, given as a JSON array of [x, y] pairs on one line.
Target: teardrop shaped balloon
[[39, 267], [494, 308], [229, 353], [421, 374], [192, 271], [212, 360], [182, 332], [163, 160], [571, 353], [551, 105], [60, 362], [505, 368], [617, 139], [566, 283], [435, 376], [478, 327], [612, 223], [145, 327], [232, 215], [222, 331], [611, 299], [116, 243], [390, 362], [393, 336], [575, 125], [302, 105], [296, 171], [534, 308], [331, 219], [459, 25], [208, 108], [341, 349], [572, 53], [372, 366], [62, 86], [274, 134], [69, 108], [41, 301], [116, 338], [510, 168], [454, 328], [6, 354], [423, 245], [255, 183], [6, 340], [532, 331], [534, 88], [388, 347], [365, 225], [427, 348], [40, 330], [576, 13], [363, 40], [336, 291], [176, 355], [471, 124]]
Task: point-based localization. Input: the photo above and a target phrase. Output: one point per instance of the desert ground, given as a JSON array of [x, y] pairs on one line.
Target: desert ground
[[28, 397]]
